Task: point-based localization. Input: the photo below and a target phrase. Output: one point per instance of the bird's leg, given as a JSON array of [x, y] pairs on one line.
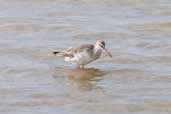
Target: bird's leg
[[81, 66], [78, 66]]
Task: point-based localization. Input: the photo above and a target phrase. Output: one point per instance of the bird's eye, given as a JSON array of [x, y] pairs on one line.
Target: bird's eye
[[101, 45]]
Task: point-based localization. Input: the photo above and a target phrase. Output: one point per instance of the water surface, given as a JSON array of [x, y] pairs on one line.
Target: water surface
[[137, 80]]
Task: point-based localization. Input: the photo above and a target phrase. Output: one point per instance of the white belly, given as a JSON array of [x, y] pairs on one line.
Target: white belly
[[81, 58]]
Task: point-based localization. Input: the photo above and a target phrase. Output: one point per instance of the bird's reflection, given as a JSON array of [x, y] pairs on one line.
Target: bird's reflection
[[82, 79]]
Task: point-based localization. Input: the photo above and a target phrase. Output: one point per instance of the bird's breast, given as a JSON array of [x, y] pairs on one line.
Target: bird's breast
[[83, 58]]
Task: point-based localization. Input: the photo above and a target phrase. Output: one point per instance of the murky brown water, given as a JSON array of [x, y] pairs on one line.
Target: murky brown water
[[137, 80]]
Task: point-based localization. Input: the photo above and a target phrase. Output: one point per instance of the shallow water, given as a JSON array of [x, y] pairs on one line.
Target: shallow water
[[137, 80]]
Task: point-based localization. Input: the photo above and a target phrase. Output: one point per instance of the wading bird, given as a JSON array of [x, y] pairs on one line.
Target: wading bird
[[84, 54]]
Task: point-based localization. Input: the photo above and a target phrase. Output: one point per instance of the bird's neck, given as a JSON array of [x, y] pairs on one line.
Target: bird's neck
[[97, 50]]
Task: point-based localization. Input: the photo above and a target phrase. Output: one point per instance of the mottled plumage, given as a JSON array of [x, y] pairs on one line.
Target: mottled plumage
[[84, 54]]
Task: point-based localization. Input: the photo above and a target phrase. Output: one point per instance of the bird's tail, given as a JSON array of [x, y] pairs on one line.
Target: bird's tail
[[64, 53], [56, 52]]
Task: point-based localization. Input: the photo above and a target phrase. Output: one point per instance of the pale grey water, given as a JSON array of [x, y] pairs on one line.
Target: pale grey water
[[137, 80]]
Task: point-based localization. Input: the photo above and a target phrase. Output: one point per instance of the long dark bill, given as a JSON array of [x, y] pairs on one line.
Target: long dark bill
[[107, 52]]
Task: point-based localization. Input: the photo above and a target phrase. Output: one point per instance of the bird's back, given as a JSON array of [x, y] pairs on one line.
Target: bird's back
[[88, 48], [83, 54]]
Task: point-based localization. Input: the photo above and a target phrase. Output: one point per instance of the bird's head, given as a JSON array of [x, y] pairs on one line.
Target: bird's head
[[101, 45]]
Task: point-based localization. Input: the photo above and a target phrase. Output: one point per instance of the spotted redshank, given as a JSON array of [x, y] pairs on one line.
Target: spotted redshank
[[84, 54]]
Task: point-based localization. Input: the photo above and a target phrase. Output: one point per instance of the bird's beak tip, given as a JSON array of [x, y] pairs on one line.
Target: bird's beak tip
[[108, 53]]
